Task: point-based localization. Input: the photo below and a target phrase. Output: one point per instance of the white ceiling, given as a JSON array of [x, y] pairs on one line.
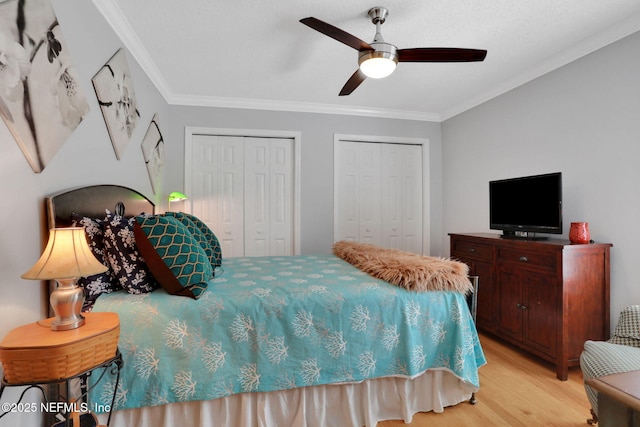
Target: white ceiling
[[256, 53]]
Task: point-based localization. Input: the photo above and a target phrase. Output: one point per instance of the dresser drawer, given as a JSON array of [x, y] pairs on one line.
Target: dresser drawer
[[538, 260], [465, 249]]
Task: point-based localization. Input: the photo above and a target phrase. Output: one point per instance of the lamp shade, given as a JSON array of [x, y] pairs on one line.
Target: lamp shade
[[67, 256], [177, 196]]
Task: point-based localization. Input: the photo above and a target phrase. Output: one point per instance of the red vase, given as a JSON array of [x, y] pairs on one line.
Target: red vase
[[579, 232]]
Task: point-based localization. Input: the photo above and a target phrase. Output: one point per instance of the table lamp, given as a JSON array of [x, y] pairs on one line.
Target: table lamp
[[66, 258], [176, 196]]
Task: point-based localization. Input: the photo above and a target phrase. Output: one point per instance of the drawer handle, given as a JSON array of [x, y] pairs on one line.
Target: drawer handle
[[524, 259], [521, 307], [472, 250]]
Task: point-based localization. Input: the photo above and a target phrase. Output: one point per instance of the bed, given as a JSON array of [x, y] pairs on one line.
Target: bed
[[306, 340]]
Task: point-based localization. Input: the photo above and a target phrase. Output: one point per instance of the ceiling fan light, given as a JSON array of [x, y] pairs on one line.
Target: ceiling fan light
[[380, 62], [377, 68]]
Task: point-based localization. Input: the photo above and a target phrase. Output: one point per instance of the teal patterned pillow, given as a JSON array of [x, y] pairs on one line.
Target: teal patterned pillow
[[173, 256], [209, 237], [207, 240]]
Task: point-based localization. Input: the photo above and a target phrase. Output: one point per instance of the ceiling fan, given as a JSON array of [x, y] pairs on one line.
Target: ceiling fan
[[378, 59]]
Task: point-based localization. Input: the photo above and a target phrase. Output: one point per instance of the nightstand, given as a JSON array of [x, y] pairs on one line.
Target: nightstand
[[34, 355]]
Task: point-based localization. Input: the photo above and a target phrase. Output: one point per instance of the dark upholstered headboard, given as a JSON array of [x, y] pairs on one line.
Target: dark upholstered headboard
[[92, 201]]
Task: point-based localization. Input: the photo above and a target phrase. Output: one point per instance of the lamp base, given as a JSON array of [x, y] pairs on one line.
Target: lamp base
[[67, 300], [46, 323], [67, 324]]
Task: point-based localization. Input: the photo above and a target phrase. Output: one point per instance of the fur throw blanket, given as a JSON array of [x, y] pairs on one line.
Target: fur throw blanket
[[405, 269]]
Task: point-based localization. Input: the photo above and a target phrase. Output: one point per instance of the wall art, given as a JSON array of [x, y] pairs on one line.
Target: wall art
[[114, 90], [41, 99], [153, 153]]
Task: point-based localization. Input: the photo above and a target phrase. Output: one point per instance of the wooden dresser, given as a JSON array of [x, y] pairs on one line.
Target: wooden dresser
[[545, 296]]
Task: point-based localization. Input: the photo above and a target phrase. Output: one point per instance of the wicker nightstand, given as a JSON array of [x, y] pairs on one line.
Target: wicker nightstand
[[34, 355]]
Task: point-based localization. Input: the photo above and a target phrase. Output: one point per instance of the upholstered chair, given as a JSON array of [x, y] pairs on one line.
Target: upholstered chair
[[621, 353]]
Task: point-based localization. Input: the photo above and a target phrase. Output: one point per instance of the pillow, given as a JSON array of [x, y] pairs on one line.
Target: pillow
[[203, 234], [101, 283], [128, 265], [173, 255]]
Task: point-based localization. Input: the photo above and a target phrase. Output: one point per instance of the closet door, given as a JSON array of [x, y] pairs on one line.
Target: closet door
[[357, 196], [378, 194], [347, 214], [242, 188], [368, 193], [268, 197], [402, 197], [217, 187]]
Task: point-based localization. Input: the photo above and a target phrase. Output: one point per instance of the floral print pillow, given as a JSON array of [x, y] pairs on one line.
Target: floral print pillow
[[100, 283], [127, 264]]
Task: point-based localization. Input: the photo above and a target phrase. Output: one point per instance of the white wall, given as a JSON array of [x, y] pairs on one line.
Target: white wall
[[582, 120], [86, 158]]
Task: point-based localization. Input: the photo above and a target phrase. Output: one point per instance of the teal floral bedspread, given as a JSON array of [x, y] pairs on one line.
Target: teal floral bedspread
[[274, 323]]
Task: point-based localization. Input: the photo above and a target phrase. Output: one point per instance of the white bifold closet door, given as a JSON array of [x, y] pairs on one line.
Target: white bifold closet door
[[242, 188], [378, 194]]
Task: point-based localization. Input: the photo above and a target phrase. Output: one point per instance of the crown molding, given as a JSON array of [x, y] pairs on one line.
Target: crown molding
[[301, 107]]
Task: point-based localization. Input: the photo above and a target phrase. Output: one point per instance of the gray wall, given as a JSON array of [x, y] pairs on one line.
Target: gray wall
[[582, 120], [317, 132]]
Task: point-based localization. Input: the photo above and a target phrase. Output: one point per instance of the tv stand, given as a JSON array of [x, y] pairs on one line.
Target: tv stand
[[522, 235], [545, 297]]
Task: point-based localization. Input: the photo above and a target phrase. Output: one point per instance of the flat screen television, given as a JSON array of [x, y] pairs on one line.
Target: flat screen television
[[523, 206]]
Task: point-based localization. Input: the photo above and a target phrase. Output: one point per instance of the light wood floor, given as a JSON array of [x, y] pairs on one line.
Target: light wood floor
[[515, 390]]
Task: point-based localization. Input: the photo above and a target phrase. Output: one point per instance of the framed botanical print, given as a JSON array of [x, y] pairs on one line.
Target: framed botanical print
[[41, 99], [114, 90], [153, 153]]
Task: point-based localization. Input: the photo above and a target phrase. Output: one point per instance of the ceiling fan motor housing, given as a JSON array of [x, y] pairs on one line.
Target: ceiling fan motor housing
[[384, 55], [382, 50]]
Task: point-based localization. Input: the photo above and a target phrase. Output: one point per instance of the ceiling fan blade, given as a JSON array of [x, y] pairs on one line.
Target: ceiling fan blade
[[354, 81], [440, 54], [336, 33]]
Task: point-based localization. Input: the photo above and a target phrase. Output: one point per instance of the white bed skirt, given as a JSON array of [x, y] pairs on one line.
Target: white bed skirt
[[346, 405]]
